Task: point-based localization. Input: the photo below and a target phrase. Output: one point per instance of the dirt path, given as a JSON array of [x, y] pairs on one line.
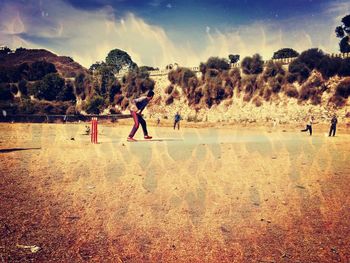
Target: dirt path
[[199, 195]]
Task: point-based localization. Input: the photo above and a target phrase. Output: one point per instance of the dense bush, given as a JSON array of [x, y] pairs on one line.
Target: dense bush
[[291, 91], [313, 90], [169, 89], [119, 59], [49, 88], [183, 77], [285, 53], [169, 100], [233, 58], [67, 93], [275, 85], [26, 106], [94, 105], [72, 110], [252, 65], [343, 89], [40, 69], [5, 92], [136, 84], [14, 89], [257, 101], [299, 69], [311, 57], [217, 63], [344, 69], [329, 67], [114, 89], [272, 69], [22, 86]]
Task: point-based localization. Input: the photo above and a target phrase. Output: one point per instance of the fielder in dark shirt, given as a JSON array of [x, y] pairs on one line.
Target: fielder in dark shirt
[[333, 128], [177, 121]]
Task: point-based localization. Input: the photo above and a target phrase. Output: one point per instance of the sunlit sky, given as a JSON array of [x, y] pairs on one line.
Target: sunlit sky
[[159, 32]]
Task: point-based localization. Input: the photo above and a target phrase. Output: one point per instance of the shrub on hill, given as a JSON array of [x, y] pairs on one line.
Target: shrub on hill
[[252, 65], [291, 91], [299, 70], [272, 69], [5, 92], [343, 89], [94, 105], [49, 88], [285, 53], [311, 57]]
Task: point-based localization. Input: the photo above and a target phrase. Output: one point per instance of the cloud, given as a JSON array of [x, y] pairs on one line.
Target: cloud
[[155, 3], [88, 35], [169, 5]]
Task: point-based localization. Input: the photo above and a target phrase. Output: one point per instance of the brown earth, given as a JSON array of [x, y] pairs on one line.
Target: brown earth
[[197, 195]]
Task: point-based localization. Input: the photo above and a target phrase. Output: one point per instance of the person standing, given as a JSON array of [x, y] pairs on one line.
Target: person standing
[[333, 128], [136, 108], [309, 125], [177, 120]]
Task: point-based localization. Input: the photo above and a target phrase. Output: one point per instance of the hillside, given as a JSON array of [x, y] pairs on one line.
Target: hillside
[[281, 109], [40, 82], [65, 66]]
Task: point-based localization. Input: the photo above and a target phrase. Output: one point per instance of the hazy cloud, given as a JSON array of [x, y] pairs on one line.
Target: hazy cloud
[[88, 35]]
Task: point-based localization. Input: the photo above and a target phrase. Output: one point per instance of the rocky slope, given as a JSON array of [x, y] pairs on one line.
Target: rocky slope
[[282, 109]]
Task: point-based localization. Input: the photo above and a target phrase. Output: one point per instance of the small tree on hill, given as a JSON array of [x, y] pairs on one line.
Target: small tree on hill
[[233, 58], [343, 32], [120, 59], [39, 69], [311, 57], [4, 51], [252, 65], [48, 88], [217, 63], [285, 53]]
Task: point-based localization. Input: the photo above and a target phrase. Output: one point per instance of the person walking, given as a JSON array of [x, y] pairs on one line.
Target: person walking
[[333, 128], [309, 125], [136, 108], [177, 120]]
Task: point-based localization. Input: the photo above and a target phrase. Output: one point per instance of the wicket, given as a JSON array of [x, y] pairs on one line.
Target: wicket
[[94, 130]]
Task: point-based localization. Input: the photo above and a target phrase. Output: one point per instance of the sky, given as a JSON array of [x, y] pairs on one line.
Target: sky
[[160, 32]]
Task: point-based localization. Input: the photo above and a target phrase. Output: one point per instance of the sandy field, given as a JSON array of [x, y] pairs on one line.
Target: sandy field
[[232, 194]]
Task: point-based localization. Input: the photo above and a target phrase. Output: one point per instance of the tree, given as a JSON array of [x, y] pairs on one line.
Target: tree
[[252, 65], [119, 59], [343, 32], [114, 90], [5, 92], [300, 69], [217, 63], [97, 65], [285, 53], [39, 69], [233, 58], [311, 57], [272, 69], [95, 105], [329, 67], [147, 68], [4, 51], [22, 86], [49, 87], [67, 93]]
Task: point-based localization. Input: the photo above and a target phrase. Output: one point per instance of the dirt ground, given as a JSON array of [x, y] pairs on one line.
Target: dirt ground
[[196, 195]]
